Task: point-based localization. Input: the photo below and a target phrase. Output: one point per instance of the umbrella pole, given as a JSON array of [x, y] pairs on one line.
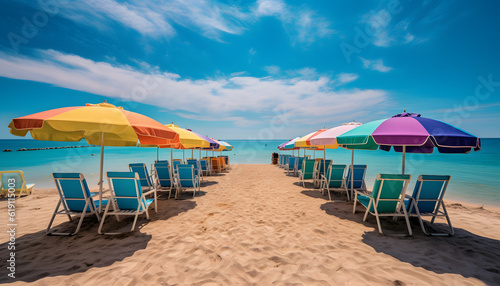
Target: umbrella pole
[[324, 162], [352, 173], [183, 155], [404, 157], [192, 153], [171, 159], [200, 154], [157, 154], [101, 173]]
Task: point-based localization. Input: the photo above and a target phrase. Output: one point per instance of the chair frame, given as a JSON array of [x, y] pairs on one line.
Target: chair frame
[[348, 181], [156, 178], [375, 201], [140, 202], [302, 172], [194, 179], [26, 188], [317, 171], [89, 203], [326, 181], [439, 204], [149, 177]]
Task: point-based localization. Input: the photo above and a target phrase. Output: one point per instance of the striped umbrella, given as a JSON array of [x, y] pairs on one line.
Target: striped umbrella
[[100, 124]]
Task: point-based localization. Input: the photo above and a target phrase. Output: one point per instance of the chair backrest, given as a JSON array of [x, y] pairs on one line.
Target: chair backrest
[[186, 175], [175, 164], [321, 164], [177, 160], [359, 176], [74, 191], [163, 174], [195, 163], [204, 165], [140, 168], [127, 189], [215, 163], [389, 191], [222, 163], [18, 177], [335, 175], [429, 190], [291, 162], [162, 162], [308, 168], [299, 163]]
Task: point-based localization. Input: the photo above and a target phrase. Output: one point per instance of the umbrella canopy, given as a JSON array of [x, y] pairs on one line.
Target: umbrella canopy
[[227, 146], [187, 139], [415, 133], [290, 145], [305, 141], [328, 138], [409, 132], [100, 124]]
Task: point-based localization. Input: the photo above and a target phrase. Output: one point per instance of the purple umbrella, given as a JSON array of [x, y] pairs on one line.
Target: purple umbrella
[[409, 132]]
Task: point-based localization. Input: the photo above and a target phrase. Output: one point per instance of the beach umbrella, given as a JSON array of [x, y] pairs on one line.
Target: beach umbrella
[[100, 124], [410, 133], [305, 141], [187, 140], [328, 139]]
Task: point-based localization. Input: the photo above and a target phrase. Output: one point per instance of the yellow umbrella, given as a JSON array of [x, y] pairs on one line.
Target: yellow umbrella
[[100, 124]]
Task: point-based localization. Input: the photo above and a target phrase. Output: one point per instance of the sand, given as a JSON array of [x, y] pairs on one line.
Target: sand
[[252, 226]]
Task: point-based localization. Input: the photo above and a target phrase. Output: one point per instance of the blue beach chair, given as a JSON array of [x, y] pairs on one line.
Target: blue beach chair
[[205, 168], [127, 198], [386, 199], [298, 165], [75, 199], [319, 169], [427, 200], [334, 180], [146, 181], [306, 173], [186, 179], [291, 164], [196, 166], [164, 180], [358, 181]]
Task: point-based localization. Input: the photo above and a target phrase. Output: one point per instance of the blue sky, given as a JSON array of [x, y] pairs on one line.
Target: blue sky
[[268, 69]]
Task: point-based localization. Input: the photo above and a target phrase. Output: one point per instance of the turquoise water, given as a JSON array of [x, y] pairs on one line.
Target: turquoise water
[[473, 176]]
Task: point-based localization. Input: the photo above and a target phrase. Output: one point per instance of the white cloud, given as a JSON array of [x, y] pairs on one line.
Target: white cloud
[[273, 70], [302, 24], [376, 65], [225, 99], [379, 23], [345, 78]]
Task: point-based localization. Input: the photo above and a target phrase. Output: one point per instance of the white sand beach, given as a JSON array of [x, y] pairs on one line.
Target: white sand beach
[[252, 226]]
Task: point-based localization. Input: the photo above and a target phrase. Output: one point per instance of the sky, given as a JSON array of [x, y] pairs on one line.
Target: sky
[[264, 69]]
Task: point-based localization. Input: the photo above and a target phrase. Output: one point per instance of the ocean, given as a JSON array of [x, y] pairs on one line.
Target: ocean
[[473, 176]]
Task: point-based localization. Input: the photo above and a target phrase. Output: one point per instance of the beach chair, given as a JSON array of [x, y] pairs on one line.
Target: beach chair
[[127, 198], [427, 200], [163, 178], [164, 162], [306, 173], [175, 163], [146, 180], [222, 163], [215, 165], [386, 199], [14, 180], [334, 180], [358, 180], [74, 199], [291, 165], [186, 179], [205, 167], [197, 167], [297, 166], [319, 169]]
